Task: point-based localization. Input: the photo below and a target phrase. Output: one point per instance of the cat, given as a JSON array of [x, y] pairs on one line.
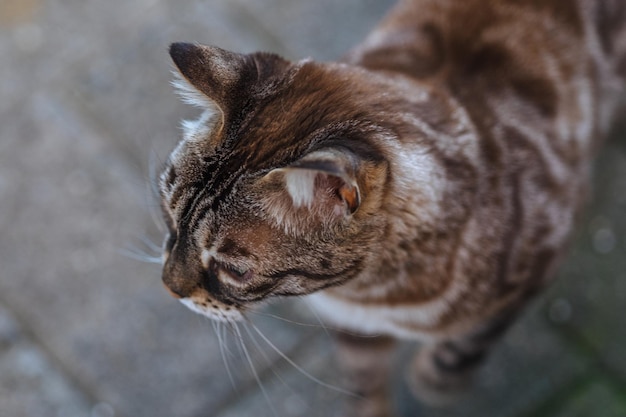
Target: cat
[[425, 187]]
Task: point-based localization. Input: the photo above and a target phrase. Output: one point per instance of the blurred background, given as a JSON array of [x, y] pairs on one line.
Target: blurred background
[[86, 110]]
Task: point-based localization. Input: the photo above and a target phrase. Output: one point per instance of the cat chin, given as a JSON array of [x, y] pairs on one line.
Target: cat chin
[[213, 310]]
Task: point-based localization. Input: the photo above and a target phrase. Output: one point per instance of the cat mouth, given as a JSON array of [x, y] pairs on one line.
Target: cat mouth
[[202, 303]]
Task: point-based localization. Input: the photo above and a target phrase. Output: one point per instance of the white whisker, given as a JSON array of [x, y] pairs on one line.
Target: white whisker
[[327, 328], [217, 327], [300, 369], [253, 369], [150, 244], [229, 327], [317, 316], [274, 316], [267, 359], [224, 333], [154, 193], [138, 255]]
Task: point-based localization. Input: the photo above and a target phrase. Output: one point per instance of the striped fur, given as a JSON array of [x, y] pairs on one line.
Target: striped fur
[[467, 129]]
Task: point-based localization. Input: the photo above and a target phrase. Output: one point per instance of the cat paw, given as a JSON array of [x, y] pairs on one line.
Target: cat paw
[[434, 386]]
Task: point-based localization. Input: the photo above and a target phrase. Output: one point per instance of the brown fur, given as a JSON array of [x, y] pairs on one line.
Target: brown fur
[[428, 185]]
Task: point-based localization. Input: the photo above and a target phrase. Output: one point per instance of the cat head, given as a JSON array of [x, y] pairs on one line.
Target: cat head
[[276, 189]]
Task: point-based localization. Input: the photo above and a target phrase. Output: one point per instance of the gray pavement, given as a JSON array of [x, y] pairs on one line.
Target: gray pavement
[[85, 105]]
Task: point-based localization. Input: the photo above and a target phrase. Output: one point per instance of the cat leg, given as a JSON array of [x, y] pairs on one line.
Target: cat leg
[[365, 363], [442, 371]]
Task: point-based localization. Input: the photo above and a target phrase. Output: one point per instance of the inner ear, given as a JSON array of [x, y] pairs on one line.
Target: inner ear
[[350, 195], [324, 181], [340, 188]]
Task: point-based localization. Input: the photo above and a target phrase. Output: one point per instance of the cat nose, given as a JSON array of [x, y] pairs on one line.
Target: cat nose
[[180, 281], [178, 287]]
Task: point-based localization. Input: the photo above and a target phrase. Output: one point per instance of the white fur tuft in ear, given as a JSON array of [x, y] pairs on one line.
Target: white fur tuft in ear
[[301, 186], [200, 129], [190, 94]]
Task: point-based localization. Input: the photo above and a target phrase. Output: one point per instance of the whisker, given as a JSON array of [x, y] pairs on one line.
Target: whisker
[[217, 327], [152, 171], [154, 194], [327, 328], [274, 316], [267, 359], [229, 326], [253, 369], [300, 369], [156, 248], [224, 333], [317, 316], [135, 253]]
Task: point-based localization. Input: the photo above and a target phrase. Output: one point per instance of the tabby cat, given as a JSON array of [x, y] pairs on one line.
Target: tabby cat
[[424, 187]]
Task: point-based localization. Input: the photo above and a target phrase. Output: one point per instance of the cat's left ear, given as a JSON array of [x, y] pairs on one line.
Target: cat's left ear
[[324, 181]]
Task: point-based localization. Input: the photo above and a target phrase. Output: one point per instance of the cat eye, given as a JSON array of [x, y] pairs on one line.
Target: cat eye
[[239, 276], [232, 272]]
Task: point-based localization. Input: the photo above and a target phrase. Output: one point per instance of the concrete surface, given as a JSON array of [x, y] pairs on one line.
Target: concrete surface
[[86, 105]]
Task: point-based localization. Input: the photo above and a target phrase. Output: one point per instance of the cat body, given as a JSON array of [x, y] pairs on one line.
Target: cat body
[[515, 100], [423, 188]]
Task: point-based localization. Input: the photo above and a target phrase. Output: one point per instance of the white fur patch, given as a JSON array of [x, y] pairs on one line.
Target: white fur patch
[[190, 94], [206, 256], [301, 186], [400, 321], [378, 319], [190, 127], [199, 129]]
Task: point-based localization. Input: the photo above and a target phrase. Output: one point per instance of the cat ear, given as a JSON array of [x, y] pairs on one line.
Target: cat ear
[[211, 75], [323, 181], [211, 71]]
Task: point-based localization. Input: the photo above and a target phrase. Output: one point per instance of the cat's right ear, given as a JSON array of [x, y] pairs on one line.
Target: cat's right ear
[[213, 76], [211, 71], [209, 74]]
